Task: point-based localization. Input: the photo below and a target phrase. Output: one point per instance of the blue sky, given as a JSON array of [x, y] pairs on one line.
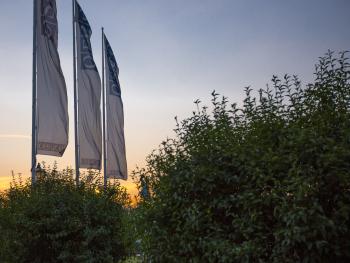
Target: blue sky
[[169, 53]]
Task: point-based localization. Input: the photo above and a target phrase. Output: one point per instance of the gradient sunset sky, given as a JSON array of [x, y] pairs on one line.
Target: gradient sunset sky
[[170, 53]]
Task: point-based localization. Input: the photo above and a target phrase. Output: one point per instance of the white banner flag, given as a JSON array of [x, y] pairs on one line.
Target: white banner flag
[[52, 114], [116, 157], [89, 93]]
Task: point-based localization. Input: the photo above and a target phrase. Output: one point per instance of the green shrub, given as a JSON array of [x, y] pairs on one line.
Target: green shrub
[[267, 182], [55, 221]]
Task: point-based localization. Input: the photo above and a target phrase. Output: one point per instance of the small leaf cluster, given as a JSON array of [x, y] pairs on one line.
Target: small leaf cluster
[[267, 181]]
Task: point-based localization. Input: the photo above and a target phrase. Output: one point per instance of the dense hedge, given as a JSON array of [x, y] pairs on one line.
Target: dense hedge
[[55, 221], [267, 182]]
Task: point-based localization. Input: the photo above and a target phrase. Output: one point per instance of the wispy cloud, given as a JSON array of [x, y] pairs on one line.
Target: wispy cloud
[[14, 136]]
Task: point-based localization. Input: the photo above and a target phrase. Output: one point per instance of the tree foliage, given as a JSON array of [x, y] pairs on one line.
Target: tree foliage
[[55, 221], [265, 182]]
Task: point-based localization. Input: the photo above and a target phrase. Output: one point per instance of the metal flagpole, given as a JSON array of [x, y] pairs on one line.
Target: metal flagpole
[[77, 157], [104, 113], [34, 123]]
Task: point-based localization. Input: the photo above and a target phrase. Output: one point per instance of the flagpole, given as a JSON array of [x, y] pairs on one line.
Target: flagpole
[[104, 113], [77, 157], [34, 128]]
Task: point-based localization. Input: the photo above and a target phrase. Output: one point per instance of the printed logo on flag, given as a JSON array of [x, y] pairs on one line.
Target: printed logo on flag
[[52, 105], [49, 20], [113, 71], [87, 59]]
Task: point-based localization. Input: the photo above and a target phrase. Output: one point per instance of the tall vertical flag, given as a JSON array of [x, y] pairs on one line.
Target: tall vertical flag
[[89, 96], [116, 165], [50, 114]]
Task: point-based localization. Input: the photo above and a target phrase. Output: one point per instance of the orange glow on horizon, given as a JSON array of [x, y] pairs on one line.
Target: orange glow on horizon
[[129, 185], [5, 182]]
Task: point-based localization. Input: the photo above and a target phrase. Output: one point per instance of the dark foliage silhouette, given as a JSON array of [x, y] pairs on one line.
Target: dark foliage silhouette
[[265, 182]]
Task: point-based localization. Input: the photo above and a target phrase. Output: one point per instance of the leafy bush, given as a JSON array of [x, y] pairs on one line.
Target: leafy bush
[[55, 221], [267, 182]]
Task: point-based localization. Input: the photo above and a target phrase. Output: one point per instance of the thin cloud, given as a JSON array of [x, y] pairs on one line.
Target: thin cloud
[[14, 136]]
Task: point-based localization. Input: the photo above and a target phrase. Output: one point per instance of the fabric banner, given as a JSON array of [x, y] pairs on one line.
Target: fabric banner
[[116, 157], [89, 96], [52, 113]]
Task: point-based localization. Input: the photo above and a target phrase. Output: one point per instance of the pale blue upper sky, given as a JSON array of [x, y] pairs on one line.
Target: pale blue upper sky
[[170, 52]]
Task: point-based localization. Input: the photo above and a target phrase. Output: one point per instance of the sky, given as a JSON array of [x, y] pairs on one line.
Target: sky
[[170, 53]]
